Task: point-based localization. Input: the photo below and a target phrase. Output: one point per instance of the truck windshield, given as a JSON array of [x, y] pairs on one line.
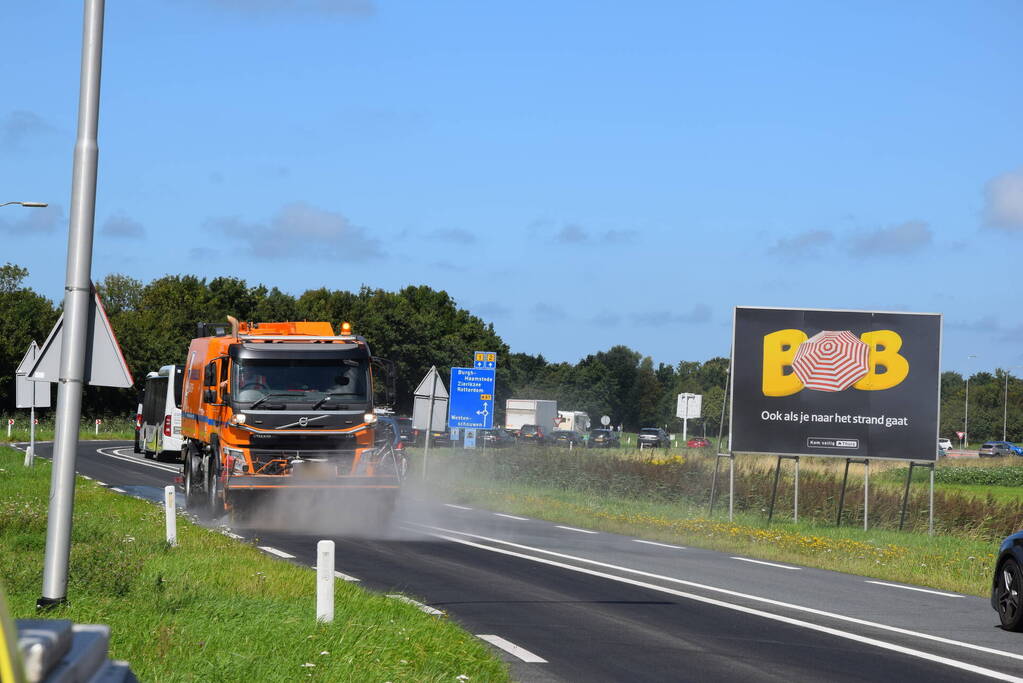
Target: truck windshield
[[301, 381]]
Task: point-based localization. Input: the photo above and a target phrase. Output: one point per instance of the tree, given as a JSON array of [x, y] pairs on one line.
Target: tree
[[24, 316]]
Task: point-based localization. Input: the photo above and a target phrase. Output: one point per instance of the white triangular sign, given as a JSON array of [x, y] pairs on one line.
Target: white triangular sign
[[426, 386], [104, 362], [30, 358]]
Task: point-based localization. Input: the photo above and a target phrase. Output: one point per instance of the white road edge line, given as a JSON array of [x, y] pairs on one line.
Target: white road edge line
[[663, 545], [512, 649], [231, 534], [457, 507], [572, 528], [521, 519], [928, 656], [275, 551], [114, 488], [914, 588], [85, 476], [137, 461], [725, 591], [101, 483], [769, 564], [346, 577], [415, 603]]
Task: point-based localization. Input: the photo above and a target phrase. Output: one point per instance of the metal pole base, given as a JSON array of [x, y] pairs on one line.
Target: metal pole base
[[46, 604]]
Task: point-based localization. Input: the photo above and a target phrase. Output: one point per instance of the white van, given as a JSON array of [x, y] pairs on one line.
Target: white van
[[160, 432]]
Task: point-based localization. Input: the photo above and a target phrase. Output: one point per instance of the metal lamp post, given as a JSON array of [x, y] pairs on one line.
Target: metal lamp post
[[28, 205], [966, 409], [1005, 401]]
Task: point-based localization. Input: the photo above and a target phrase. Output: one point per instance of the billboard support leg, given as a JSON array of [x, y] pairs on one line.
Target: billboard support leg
[[905, 496], [774, 490], [795, 493], [930, 514], [866, 492], [713, 485], [731, 486], [841, 496]]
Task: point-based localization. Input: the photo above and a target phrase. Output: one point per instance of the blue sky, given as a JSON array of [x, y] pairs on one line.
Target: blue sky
[[581, 174]]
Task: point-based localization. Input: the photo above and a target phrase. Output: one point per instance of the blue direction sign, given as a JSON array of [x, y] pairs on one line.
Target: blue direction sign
[[472, 398], [484, 359]]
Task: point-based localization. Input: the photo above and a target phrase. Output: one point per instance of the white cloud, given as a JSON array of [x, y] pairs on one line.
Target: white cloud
[[571, 234], [454, 235], [19, 126], [547, 313], [903, 238], [120, 225], [700, 313], [1003, 197], [803, 244], [301, 231]]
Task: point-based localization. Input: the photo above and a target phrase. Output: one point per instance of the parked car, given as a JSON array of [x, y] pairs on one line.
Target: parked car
[[653, 437], [995, 449], [495, 438], [532, 434], [945, 444], [603, 438], [698, 443], [564, 437], [1007, 583], [440, 439]]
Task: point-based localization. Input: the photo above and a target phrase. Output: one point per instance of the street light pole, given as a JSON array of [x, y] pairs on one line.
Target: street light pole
[[1005, 402], [966, 410]]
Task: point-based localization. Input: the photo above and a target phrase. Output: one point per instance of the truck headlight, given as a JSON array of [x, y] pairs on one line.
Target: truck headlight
[[369, 418], [237, 419], [236, 460]]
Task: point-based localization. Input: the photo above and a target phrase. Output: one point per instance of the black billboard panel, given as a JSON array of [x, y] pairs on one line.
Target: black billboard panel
[[854, 384]]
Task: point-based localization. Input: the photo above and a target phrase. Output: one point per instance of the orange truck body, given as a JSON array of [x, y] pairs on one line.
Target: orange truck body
[[275, 406]]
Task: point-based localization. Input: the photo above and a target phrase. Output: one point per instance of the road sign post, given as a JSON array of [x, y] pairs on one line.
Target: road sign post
[[431, 399], [689, 406], [32, 395]]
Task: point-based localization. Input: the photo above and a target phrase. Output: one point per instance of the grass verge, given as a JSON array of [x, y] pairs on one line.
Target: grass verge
[[213, 609]]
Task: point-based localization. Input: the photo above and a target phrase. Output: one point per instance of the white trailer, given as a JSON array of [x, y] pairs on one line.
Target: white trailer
[[530, 411], [574, 421]]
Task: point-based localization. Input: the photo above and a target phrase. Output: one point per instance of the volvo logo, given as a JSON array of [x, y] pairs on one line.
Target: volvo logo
[[303, 421]]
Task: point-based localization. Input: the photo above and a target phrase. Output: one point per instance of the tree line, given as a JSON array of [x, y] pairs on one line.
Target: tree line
[[417, 327]]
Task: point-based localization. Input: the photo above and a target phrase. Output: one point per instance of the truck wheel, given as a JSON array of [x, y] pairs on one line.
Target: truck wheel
[[214, 492], [193, 480]]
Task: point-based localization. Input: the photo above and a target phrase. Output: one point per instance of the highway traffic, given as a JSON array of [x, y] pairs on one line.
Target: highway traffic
[[567, 604]]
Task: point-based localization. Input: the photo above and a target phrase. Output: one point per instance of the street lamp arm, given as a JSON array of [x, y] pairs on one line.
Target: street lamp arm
[[29, 205]]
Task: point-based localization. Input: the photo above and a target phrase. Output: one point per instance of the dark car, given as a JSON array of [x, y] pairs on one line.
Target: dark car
[[440, 439], [408, 433], [1007, 583], [532, 434], [603, 438], [495, 438], [697, 443], [653, 437], [564, 437], [995, 449]]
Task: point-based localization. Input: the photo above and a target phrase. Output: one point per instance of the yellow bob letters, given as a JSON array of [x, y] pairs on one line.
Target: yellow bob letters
[[780, 350]]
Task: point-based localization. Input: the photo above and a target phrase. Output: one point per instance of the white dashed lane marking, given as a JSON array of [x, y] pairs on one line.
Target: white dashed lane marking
[[521, 519], [457, 507], [769, 564], [914, 588], [572, 528], [512, 649], [662, 545], [415, 603], [275, 551]]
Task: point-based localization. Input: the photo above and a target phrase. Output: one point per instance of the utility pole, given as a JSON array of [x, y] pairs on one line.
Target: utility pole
[[77, 295]]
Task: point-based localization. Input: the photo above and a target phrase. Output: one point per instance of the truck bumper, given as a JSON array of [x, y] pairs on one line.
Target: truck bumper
[[282, 481]]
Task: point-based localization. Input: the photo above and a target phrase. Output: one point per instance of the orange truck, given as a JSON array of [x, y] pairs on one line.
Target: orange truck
[[285, 407]]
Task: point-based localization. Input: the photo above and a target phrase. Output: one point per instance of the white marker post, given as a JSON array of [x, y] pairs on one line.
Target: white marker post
[[10, 423], [325, 581], [97, 425], [171, 515]]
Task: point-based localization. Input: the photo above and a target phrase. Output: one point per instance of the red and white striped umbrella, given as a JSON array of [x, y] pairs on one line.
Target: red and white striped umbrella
[[831, 361]]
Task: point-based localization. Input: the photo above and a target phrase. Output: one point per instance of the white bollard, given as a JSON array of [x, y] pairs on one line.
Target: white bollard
[[325, 581], [97, 425], [171, 514], [10, 423]]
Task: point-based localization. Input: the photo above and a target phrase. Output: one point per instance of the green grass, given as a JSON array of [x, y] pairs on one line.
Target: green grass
[[112, 428], [213, 609]]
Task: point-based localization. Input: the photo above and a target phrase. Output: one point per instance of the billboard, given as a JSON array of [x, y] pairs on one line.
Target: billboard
[[851, 384]]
